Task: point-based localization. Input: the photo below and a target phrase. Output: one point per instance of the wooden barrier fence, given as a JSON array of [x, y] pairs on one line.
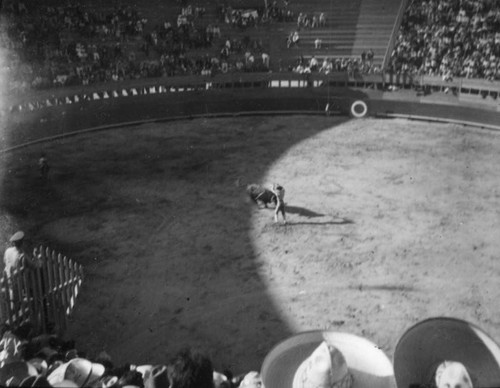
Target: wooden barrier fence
[[43, 296], [237, 81]]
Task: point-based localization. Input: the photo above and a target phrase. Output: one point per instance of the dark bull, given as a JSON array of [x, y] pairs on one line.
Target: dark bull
[[260, 194]]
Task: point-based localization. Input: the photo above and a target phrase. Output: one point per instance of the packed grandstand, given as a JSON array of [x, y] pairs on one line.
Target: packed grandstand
[[51, 45], [48, 45]]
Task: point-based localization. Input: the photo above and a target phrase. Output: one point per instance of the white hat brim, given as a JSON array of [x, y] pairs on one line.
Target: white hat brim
[[93, 374], [428, 343], [369, 365]]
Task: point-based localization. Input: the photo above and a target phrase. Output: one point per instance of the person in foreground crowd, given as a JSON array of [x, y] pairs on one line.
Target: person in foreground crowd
[[327, 359], [434, 353], [446, 352], [190, 369]]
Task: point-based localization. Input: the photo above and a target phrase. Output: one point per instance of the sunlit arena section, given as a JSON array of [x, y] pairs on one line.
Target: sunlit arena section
[[389, 222]]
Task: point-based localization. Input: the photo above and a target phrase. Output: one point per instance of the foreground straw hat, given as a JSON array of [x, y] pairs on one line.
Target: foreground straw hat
[[451, 347], [78, 370], [327, 359]]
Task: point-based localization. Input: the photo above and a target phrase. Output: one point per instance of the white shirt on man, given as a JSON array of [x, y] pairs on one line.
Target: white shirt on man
[[12, 259]]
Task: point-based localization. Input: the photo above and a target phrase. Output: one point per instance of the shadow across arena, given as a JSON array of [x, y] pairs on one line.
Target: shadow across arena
[[337, 222], [302, 212]]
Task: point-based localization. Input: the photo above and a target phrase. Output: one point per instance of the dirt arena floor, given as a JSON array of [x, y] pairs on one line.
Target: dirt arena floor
[[390, 222]]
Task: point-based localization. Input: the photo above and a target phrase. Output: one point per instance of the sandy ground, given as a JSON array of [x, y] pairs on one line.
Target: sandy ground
[[390, 222]]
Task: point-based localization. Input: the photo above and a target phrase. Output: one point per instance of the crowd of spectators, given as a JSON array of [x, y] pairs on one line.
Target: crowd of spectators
[[64, 45], [326, 65], [47, 360], [449, 38], [48, 46], [278, 12], [243, 18], [305, 21], [311, 21], [308, 359]]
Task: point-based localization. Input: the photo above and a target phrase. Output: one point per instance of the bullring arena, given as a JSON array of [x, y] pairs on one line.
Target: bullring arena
[[390, 222], [392, 217]]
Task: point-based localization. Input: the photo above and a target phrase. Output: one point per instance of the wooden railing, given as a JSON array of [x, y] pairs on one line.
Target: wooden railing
[[43, 296], [42, 99]]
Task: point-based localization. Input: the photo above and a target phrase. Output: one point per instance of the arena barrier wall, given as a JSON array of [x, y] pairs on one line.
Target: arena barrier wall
[[43, 297], [61, 112]]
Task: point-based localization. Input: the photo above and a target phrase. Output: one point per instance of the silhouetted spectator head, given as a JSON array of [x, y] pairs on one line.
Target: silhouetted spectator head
[[131, 377], [190, 369], [105, 359]]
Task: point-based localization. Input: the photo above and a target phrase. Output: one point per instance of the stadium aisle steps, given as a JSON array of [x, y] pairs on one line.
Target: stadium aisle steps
[[352, 27]]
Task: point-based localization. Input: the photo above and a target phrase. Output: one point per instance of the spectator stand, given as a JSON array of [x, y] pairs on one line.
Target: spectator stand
[[355, 33], [82, 45], [449, 39]]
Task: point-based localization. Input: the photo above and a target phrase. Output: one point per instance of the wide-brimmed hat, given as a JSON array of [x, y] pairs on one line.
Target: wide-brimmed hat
[[327, 357], [220, 379], [18, 236], [79, 370], [65, 384], [40, 365], [251, 380], [446, 343]]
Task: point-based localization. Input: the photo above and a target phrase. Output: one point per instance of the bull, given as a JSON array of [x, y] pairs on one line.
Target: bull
[[261, 195]]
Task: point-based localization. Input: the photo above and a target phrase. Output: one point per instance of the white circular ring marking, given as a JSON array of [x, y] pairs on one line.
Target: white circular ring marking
[[364, 110]]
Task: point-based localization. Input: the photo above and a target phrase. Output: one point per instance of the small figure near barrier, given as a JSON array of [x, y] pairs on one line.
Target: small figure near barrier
[[43, 167], [14, 255], [14, 258]]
